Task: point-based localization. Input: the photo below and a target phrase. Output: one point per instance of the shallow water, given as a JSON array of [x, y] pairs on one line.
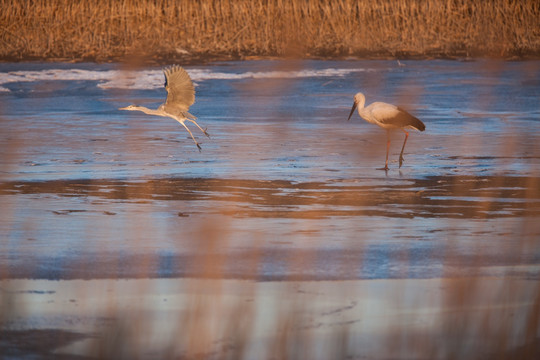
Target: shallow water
[[285, 188]]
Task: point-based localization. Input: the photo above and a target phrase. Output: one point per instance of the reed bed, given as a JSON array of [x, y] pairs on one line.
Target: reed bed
[[169, 29]]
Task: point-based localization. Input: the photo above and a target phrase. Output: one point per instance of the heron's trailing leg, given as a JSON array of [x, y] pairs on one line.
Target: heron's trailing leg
[[403, 148], [189, 131], [203, 130]]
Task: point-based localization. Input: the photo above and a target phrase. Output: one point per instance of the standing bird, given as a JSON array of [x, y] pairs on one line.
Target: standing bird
[[388, 117], [180, 96]]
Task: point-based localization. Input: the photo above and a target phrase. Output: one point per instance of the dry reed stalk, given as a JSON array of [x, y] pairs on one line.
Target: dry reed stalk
[[49, 29]]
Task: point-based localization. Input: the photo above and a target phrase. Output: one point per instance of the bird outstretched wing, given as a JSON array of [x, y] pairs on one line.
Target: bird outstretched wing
[[180, 90]]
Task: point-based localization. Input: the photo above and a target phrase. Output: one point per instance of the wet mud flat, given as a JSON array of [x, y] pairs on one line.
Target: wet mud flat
[[379, 319], [434, 226]]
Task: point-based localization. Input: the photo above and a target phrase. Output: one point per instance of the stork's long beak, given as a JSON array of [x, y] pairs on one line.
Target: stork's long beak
[[124, 108], [352, 110]]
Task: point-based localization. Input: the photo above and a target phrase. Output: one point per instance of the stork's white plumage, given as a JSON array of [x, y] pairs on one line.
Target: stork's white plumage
[[389, 117]]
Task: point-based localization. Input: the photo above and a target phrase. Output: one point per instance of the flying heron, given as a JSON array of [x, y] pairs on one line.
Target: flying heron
[[180, 96], [389, 117]]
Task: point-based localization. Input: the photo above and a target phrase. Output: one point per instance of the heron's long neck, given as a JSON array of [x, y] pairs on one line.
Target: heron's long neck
[[147, 110]]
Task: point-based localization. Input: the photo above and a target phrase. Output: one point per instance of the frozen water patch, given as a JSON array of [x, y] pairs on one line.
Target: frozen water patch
[[153, 79]]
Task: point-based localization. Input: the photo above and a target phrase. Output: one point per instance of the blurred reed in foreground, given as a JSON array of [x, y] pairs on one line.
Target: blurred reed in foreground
[[214, 316], [451, 318], [183, 30], [211, 316]]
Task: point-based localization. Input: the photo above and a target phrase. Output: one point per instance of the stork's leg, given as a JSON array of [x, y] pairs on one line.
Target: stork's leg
[[387, 150], [403, 148], [203, 130], [196, 143]]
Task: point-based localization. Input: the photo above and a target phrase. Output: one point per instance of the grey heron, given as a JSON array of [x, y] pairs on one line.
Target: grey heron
[[389, 117], [180, 96]]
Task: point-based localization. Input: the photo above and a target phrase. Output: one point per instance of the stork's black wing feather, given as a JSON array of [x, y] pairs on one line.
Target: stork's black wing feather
[[406, 119]]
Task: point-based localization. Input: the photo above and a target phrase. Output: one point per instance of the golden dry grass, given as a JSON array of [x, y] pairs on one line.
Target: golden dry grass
[[167, 29]]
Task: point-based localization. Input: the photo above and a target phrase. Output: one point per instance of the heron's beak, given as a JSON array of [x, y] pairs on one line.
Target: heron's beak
[[124, 108], [352, 110]]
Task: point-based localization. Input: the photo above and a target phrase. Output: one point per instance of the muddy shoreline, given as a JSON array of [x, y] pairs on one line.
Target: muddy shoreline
[[204, 58], [450, 196]]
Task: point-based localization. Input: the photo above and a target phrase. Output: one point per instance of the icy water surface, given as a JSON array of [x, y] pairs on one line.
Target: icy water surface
[[285, 188]]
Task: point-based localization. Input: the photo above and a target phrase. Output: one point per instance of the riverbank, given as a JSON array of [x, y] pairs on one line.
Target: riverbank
[[141, 32]]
